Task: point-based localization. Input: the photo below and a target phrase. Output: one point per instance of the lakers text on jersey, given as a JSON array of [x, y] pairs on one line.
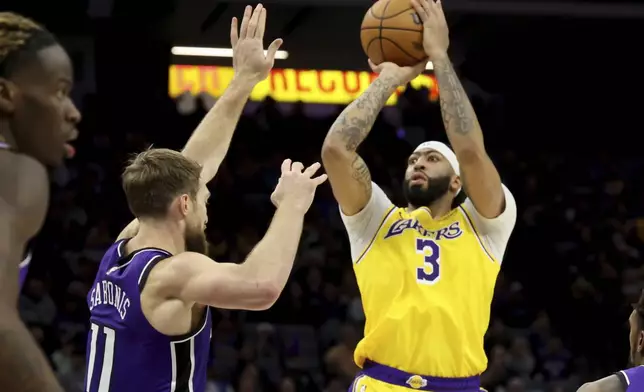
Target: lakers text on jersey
[[426, 286], [124, 352]]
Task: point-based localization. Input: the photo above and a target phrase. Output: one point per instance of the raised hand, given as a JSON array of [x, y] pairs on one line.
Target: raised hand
[[296, 188], [435, 30], [401, 75], [249, 60]]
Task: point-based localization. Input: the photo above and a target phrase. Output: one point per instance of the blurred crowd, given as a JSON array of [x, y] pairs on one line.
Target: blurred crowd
[[562, 300]]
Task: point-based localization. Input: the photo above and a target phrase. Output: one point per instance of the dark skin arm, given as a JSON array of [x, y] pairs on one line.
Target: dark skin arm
[[348, 174], [23, 204], [607, 384], [479, 175]]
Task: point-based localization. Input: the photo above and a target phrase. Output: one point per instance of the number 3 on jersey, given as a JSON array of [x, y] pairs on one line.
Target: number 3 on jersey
[[429, 273]]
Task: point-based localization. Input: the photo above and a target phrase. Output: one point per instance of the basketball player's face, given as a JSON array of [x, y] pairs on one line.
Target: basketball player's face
[[196, 223], [428, 177], [42, 117]]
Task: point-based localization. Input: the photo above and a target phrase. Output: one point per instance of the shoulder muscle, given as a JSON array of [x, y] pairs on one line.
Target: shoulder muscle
[[24, 195], [607, 384]]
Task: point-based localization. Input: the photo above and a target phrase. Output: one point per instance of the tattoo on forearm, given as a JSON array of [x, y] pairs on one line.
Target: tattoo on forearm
[[24, 368], [355, 122], [457, 111], [360, 172]]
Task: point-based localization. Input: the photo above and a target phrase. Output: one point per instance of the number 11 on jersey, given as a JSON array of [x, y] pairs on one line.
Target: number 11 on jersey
[[430, 272], [106, 354]]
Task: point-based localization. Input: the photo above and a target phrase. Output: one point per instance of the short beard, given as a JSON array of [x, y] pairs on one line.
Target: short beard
[[418, 196], [196, 242]]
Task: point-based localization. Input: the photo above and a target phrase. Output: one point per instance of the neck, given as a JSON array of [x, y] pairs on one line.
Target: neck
[[158, 234], [439, 208]]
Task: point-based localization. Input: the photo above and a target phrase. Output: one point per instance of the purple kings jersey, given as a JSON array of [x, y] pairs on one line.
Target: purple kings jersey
[[632, 379], [124, 352]]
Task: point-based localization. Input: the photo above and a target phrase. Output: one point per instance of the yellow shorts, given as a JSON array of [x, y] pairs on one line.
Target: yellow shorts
[[380, 378]]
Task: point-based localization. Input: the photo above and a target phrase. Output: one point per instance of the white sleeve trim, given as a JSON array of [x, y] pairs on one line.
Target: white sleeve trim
[[495, 232], [363, 226]]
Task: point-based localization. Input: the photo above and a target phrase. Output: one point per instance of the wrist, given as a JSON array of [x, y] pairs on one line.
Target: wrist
[[242, 83], [290, 208], [390, 79], [439, 57]]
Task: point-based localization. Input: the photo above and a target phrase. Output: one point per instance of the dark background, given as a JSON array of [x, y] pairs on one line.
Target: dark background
[[556, 86]]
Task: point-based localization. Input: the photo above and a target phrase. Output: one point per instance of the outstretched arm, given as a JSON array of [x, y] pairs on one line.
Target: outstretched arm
[[480, 177], [348, 174], [478, 172], [257, 283], [210, 141]]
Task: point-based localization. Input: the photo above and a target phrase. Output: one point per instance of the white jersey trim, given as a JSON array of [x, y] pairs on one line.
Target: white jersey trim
[[364, 226], [493, 234]]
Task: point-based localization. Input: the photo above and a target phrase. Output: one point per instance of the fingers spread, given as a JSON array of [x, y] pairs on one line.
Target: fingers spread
[[320, 179], [286, 166], [261, 24], [243, 32], [420, 9], [254, 21], [234, 32], [310, 171], [273, 48]]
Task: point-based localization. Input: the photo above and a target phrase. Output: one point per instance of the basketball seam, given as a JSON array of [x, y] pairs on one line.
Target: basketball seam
[[371, 42], [382, 48], [392, 28], [399, 47], [390, 16]]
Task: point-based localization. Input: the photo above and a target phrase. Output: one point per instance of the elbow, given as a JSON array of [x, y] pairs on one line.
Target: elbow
[[267, 293], [332, 150]]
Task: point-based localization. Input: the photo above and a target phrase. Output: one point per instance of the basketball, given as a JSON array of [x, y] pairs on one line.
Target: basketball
[[392, 31]]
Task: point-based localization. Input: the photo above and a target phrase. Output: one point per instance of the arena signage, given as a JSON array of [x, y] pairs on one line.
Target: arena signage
[[287, 85]]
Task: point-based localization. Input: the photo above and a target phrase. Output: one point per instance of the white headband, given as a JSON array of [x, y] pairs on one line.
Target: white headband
[[445, 151]]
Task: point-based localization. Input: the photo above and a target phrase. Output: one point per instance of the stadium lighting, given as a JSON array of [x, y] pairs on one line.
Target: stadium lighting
[[215, 52]]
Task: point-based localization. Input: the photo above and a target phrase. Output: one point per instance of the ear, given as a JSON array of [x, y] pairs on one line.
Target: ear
[[7, 96], [456, 184], [640, 341], [184, 204]]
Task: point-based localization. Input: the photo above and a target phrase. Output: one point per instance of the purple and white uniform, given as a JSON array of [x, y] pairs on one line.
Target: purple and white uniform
[[632, 379]]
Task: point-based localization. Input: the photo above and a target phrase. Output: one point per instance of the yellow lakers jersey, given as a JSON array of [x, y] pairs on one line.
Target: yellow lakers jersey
[[427, 286]]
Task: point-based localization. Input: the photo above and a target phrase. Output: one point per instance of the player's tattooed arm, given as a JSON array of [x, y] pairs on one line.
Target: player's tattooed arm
[[480, 177], [348, 174]]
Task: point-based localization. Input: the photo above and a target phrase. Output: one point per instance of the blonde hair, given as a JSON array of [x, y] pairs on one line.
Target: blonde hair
[[16, 34], [154, 178]]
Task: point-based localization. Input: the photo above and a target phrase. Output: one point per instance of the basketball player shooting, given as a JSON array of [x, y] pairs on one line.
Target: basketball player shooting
[[629, 380], [37, 119], [149, 304], [426, 271]]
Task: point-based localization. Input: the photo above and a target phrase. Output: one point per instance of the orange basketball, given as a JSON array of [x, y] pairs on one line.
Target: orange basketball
[[392, 31]]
